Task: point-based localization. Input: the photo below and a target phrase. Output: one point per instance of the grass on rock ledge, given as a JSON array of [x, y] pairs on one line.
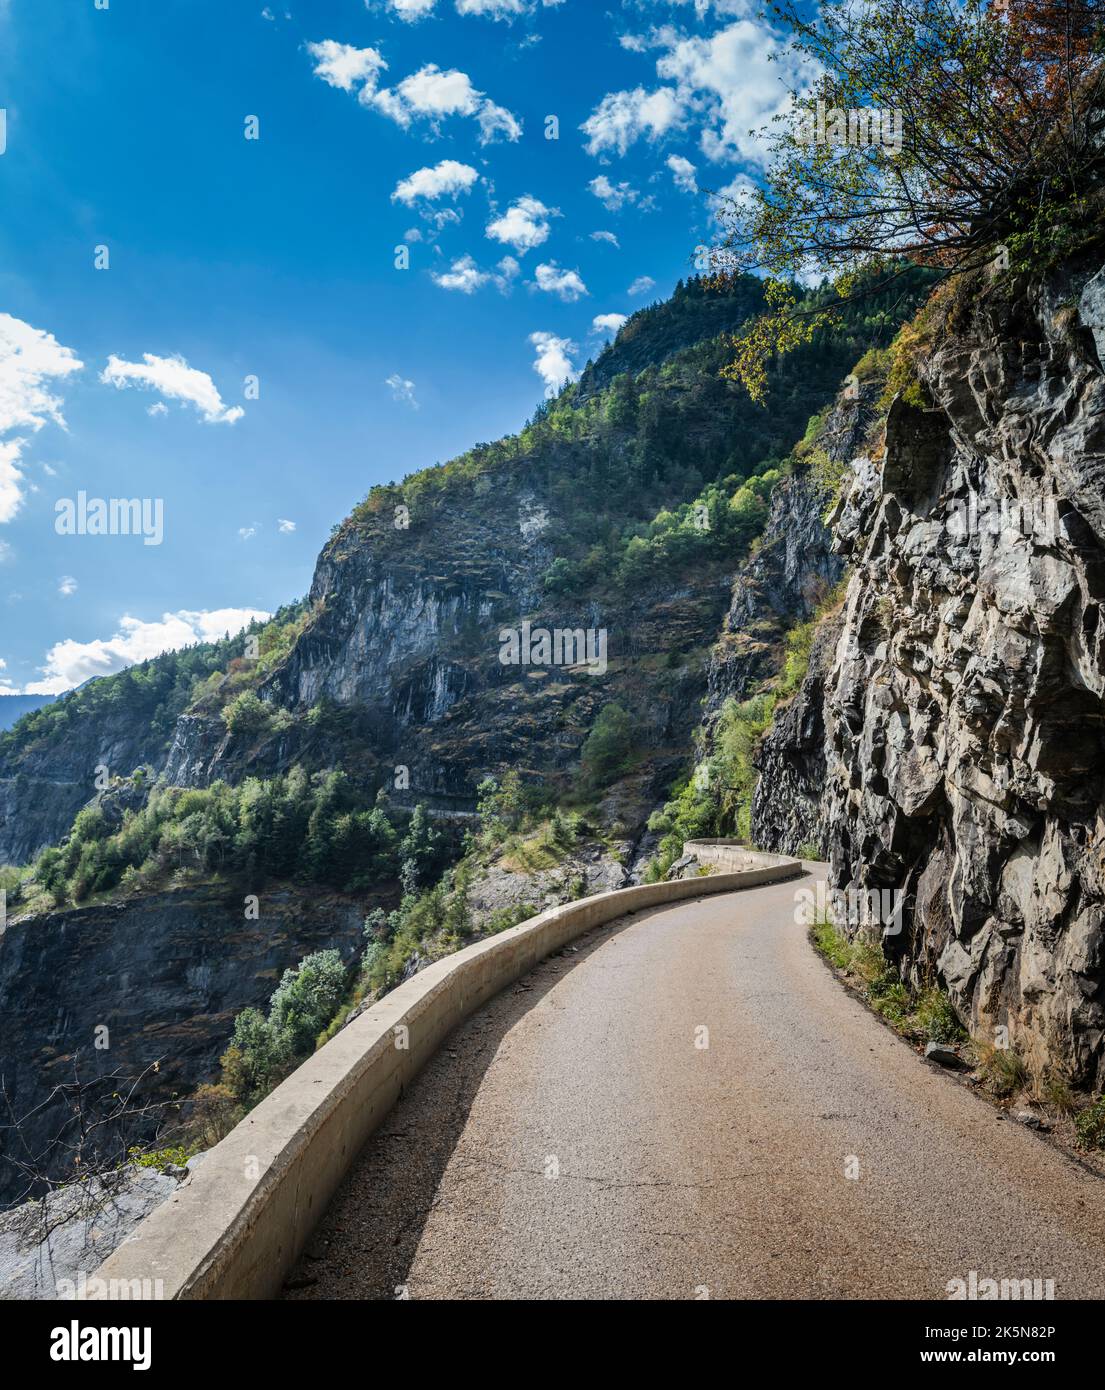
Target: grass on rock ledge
[[927, 1015]]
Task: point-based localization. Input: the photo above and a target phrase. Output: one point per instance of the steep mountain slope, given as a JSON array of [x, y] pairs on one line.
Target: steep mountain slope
[[49, 759]]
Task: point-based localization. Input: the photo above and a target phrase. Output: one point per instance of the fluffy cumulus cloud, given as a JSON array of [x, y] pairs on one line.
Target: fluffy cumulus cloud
[[565, 284], [411, 11], [32, 363], [345, 67], [703, 8], [503, 9], [553, 363], [466, 277], [284, 526], [613, 196], [622, 118], [69, 663], [607, 325], [608, 237], [641, 285], [737, 190], [430, 95], [730, 84], [448, 179], [494, 9], [402, 390], [524, 225], [67, 586], [173, 378], [683, 172]]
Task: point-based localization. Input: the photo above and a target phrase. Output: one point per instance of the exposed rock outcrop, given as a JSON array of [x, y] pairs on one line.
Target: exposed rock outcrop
[[782, 583], [963, 705], [50, 1248], [788, 813], [115, 991]]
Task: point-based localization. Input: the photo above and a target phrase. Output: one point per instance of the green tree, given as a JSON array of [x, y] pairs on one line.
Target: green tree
[[419, 851], [305, 1001], [608, 748], [941, 129]]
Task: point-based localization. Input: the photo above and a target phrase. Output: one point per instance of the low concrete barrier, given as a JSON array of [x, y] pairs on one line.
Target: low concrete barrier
[[731, 855], [239, 1223]]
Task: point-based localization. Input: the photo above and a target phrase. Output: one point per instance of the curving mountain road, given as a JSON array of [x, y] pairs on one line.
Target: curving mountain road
[[572, 1141]]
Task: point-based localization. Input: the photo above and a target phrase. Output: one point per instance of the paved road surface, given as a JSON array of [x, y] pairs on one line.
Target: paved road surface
[[572, 1141]]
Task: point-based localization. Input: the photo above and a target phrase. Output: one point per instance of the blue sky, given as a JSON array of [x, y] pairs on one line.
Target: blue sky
[[393, 123]]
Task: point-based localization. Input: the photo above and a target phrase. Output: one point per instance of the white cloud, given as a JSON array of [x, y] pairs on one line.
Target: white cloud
[[431, 94], [683, 172], [158, 408], [613, 196], [343, 66], [69, 663], [738, 189], [722, 7], [502, 9], [567, 284], [622, 118], [31, 360], [641, 285], [284, 526], [494, 9], [410, 11], [606, 236], [67, 586], [447, 179], [172, 377], [247, 533], [732, 82], [524, 225], [11, 479], [402, 390], [466, 276], [607, 325], [553, 363]]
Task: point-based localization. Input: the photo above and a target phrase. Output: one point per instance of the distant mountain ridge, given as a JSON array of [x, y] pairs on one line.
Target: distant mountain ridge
[[14, 707]]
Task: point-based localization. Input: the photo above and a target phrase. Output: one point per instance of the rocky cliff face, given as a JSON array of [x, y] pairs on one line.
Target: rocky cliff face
[[963, 755], [113, 991], [49, 785], [790, 573], [405, 641], [788, 811], [793, 567]]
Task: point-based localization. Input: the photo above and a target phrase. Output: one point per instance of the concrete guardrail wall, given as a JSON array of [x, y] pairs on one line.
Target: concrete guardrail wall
[[239, 1223], [731, 855]]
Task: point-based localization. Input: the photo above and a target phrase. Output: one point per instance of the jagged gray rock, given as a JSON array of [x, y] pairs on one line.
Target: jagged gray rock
[[48, 1246], [963, 708], [787, 805]]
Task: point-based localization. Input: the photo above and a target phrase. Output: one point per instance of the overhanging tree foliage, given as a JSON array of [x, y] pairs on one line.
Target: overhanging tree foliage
[[931, 132]]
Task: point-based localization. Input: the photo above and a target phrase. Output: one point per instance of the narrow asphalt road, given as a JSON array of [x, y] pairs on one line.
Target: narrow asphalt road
[[578, 1139]]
